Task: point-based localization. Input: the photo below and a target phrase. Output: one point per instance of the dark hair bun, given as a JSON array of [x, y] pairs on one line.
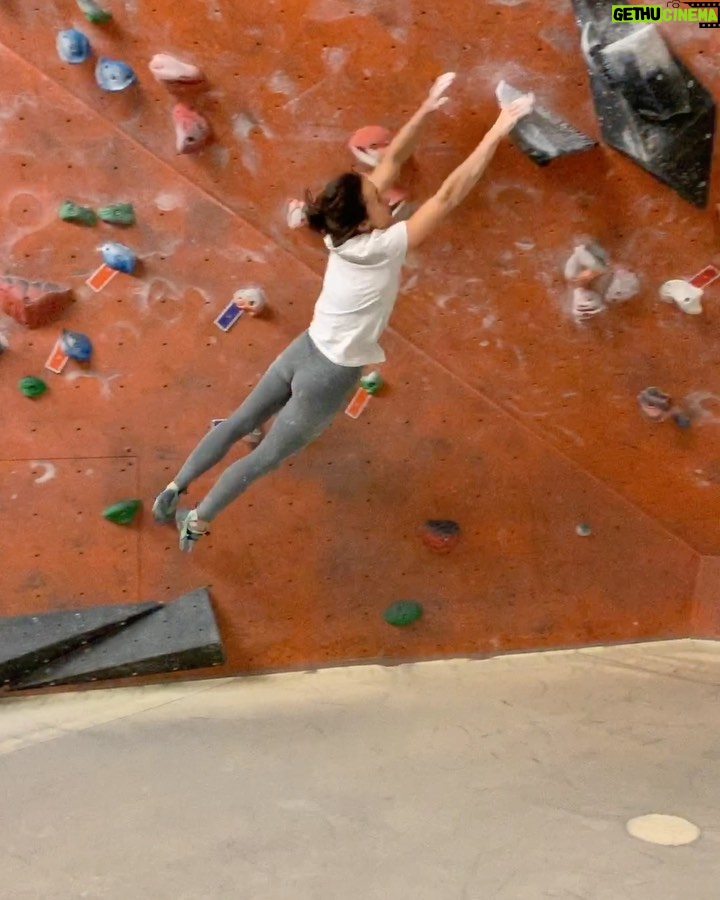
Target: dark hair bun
[[339, 209]]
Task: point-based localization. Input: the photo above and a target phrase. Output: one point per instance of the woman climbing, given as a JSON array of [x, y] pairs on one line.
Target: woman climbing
[[313, 377]]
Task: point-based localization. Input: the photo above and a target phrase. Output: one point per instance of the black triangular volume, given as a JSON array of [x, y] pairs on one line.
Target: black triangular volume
[[27, 642], [182, 635], [651, 107]]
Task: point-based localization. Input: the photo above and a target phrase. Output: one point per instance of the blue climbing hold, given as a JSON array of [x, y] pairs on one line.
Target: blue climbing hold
[[76, 345], [73, 46], [114, 75], [119, 257]]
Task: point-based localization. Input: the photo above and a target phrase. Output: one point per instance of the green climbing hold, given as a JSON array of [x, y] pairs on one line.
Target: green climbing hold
[[123, 512], [403, 613], [32, 386], [118, 214], [372, 382], [94, 13], [78, 215]]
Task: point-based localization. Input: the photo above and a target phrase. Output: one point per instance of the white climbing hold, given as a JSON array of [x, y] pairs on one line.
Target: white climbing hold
[[170, 69], [296, 214], [685, 295], [250, 299], [623, 285], [586, 304]]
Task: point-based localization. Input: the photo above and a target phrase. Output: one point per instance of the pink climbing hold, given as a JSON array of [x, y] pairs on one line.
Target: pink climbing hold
[[369, 143], [192, 131], [33, 303], [173, 71]]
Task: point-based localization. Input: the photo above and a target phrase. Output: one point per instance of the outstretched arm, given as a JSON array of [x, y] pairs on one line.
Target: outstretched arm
[[459, 183], [406, 140]]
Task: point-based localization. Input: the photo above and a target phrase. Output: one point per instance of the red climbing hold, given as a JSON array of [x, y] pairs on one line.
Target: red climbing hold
[[192, 130], [440, 535], [33, 303], [368, 144]]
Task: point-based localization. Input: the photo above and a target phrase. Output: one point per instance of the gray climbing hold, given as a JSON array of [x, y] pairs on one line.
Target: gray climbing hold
[[681, 419]]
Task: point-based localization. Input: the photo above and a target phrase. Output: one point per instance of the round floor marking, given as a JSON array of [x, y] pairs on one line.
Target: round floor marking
[[669, 831]]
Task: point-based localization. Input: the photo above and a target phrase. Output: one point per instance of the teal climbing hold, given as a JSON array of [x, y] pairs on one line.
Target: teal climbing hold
[[31, 386], [123, 512], [93, 12], [403, 612], [117, 214], [78, 215], [372, 382]]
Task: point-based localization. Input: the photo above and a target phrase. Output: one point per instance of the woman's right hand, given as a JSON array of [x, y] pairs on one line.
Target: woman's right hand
[[511, 114]]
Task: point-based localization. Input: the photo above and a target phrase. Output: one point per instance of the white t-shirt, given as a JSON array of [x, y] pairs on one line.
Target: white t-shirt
[[359, 291]]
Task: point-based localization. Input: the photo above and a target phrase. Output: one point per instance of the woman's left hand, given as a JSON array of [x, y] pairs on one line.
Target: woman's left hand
[[436, 98]]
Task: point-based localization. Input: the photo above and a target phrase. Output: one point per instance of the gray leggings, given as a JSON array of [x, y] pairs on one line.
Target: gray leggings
[[305, 389]]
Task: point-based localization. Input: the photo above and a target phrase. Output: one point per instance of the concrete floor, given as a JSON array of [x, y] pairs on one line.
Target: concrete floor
[[511, 778]]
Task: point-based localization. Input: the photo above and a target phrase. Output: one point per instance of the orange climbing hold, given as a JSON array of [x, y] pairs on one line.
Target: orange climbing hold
[[33, 303], [192, 131]]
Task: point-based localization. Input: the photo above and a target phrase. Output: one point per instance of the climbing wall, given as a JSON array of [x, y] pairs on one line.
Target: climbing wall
[[500, 411]]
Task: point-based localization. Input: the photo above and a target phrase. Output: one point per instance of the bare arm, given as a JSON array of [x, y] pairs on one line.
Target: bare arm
[[404, 143], [459, 183]]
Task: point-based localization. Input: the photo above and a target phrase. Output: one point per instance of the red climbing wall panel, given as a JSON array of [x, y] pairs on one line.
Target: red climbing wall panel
[[501, 412]]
